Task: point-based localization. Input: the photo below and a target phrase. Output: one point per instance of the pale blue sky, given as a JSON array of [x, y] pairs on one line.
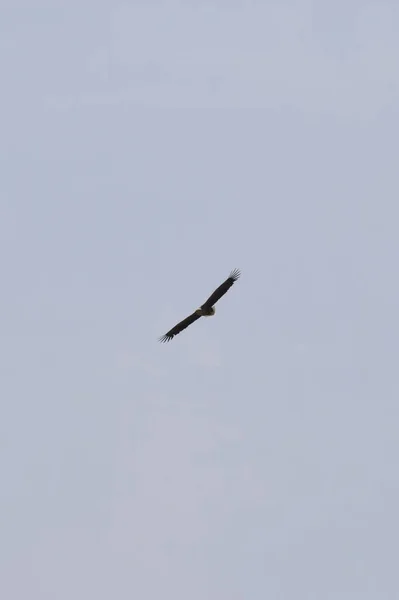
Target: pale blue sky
[[148, 148]]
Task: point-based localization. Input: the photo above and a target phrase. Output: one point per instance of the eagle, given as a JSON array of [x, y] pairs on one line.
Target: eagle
[[205, 310]]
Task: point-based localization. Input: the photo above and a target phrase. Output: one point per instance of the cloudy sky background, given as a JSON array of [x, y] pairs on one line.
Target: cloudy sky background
[[147, 148]]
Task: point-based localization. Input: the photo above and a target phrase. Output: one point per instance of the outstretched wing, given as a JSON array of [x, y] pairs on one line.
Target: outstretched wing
[[222, 289], [179, 327]]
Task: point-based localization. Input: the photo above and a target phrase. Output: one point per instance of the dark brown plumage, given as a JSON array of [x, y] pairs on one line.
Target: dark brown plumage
[[206, 310]]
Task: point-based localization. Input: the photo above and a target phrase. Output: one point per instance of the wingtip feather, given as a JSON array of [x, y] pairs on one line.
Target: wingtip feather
[[235, 274]]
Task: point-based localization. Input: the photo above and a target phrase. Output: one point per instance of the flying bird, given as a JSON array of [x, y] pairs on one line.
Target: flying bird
[[206, 310]]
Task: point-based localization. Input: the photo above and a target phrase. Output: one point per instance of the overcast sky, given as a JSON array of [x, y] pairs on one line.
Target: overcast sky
[[147, 149]]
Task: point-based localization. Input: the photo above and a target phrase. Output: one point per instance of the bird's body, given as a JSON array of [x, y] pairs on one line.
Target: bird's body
[[206, 310]]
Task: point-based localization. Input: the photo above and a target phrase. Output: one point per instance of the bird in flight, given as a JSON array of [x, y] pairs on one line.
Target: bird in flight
[[206, 310]]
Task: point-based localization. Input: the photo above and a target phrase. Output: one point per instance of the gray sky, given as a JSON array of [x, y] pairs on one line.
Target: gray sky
[[148, 148]]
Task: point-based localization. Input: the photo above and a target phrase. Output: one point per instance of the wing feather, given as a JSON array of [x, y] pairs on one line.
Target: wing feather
[[179, 327], [222, 289]]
